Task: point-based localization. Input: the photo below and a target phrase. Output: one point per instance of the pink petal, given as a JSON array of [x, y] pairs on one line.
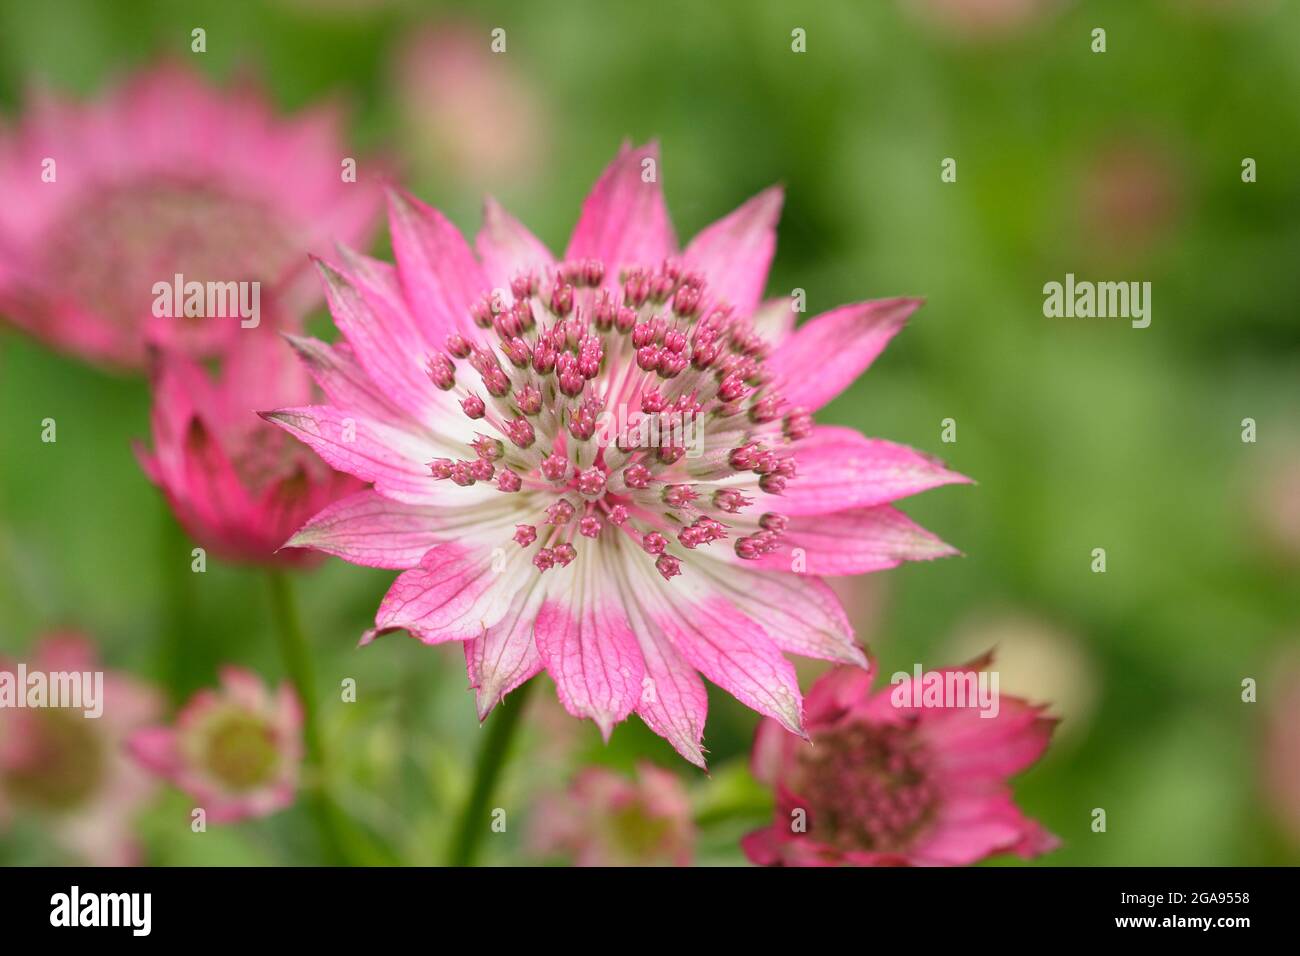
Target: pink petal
[[438, 270], [855, 542], [65, 651], [673, 702], [762, 847], [505, 655], [774, 320], [1035, 840], [824, 356], [258, 370], [154, 748], [839, 694], [453, 595], [624, 220], [969, 829], [387, 344], [976, 748], [396, 461], [735, 252], [593, 657], [208, 484], [373, 531], [244, 687], [838, 469], [735, 653], [345, 383], [506, 247], [799, 612]]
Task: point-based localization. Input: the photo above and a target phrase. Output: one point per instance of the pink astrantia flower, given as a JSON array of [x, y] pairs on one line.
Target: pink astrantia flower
[[235, 750], [463, 105], [163, 176], [605, 819], [238, 486], [483, 393], [72, 772], [886, 785]]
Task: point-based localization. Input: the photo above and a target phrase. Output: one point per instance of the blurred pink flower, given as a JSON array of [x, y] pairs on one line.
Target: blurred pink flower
[[163, 176], [886, 785], [70, 771], [1282, 744], [1130, 194], [235, 750], [605, 819], [238, 486], [469, 111], [665, 565], [1275, 507], [984, 19]]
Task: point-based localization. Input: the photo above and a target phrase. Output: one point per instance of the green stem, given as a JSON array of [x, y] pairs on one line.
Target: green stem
[[476, 815], [296, 654], [178, 619]]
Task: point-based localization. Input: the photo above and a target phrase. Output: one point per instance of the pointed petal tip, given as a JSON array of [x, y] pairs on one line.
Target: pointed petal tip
[[857, 657], [485, 701], [792, 720], [369, 635], [772, 196], [328, 273], [299, 539], [402, 201], [695, 756], [606, 725]]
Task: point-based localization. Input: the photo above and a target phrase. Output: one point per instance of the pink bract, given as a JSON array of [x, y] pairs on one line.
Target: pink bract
[[885, 785], [165, 175], [71, 772], [235, 750], [482, 388], [238, 486]]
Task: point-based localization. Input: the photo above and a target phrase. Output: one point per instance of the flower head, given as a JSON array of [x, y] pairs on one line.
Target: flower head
[[624, 561], [71, 771], [885, 781], [465, 108], [605, 819], [105, 200], [239, 487], [235, 750]]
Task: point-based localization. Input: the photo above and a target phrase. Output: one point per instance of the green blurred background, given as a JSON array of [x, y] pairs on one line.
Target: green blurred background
[[1081, 433]]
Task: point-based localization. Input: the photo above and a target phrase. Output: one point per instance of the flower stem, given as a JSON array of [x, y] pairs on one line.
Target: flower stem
[[476, 813], [178, 620], [297, 661]]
